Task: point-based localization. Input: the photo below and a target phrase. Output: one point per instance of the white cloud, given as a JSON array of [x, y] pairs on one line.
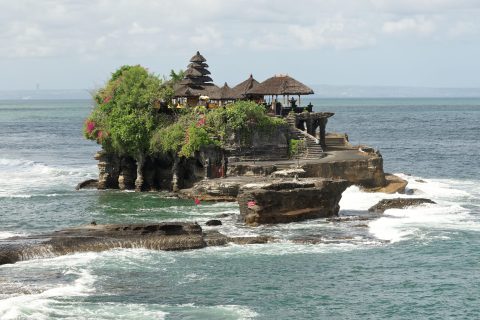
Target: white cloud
[[137, 29], [108, 28], [413, 25], [336, 32], [423, 6], [463, 28]]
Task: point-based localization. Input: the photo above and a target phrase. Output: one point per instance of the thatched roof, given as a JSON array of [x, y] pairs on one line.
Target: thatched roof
[[281, 85], [197, 65], [196, 81], [195, 91], [241, 89], [198, 58], [196, 72], [223, 93]]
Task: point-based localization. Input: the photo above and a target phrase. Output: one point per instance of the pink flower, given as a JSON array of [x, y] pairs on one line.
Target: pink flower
[[251, 203], [99, 135], [107, 99], [201, 122], [90, 126]]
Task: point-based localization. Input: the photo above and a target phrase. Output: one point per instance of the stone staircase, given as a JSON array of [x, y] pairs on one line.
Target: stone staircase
[[313, 149]]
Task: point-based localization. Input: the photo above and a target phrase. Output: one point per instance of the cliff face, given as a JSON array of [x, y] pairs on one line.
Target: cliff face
[[289, 201], [260, 145], [160, 173], [366, 172]]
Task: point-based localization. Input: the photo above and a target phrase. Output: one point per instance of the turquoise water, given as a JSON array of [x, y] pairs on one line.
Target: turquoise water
[[419, 263]]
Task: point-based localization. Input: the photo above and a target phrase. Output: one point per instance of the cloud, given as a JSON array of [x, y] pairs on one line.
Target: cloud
[[110, 28], [137, 29], [414, 25], [423, 6], [337, 32]]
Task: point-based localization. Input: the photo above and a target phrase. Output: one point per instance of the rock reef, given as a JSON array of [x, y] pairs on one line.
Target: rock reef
[[159, 236], [289, 201], [398, 203]]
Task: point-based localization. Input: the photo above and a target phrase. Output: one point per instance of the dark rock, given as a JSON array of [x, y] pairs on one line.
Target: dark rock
[[222, 215], [394, 184], [421, 181], [250, 169], [213, 223], [361, 226], [161, 236], [92, 237], [213, 190], [289, 201], [87, 184], [398, 203], [215, 238], [364, 170], [346, 219]]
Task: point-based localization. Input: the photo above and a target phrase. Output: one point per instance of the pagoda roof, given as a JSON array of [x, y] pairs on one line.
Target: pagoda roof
[[198, 58], [194, 72], [281, 85]]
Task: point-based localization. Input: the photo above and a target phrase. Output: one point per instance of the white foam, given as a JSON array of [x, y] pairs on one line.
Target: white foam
[[279, 248], [23, 178], [417, 222], [36, 306], [8, 234]]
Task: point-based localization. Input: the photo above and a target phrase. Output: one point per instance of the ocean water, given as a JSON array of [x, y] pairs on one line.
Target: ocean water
[[417, 263]]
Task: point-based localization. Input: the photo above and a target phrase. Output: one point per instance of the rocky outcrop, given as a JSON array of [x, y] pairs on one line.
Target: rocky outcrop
[[87, 184], [289, 173], [394, 184], [159, 236], [214, 190], [213, 222], [398, 203], [251, 169], [289, 201], [355, 166], [108, 170]]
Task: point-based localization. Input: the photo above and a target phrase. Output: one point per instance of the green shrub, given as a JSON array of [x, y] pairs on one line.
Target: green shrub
[[295, 147]]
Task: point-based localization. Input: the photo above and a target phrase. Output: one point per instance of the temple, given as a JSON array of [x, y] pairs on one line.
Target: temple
[[295, 170], [277, 94]]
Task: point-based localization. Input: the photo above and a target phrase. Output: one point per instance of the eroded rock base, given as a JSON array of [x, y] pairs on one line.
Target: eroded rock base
[[161, 236]]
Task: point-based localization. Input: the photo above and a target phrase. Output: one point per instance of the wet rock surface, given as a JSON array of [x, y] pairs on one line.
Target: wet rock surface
[[87, 184], [394, 184], [159, 236], [213, 222], [398, 203], [289, 200]]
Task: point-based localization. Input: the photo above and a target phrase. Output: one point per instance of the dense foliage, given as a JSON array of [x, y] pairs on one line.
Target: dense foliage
[[199, 127], [126, 119], [125, 115]]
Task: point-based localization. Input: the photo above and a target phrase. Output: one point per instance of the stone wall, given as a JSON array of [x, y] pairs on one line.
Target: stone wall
[[263, 146]]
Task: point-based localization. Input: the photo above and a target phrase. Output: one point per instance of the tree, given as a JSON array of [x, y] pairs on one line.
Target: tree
[[125, 115]]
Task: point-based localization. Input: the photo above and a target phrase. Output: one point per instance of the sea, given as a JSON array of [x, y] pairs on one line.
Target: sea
[[416, 263]]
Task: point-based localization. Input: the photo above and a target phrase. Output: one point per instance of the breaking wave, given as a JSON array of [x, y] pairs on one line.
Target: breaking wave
[[455, 209], [24, 178]]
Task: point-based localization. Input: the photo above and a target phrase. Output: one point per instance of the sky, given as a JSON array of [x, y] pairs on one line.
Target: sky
[[73, 44]]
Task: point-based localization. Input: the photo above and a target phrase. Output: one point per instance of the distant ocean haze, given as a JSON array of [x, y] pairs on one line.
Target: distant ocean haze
[[321, 91]]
